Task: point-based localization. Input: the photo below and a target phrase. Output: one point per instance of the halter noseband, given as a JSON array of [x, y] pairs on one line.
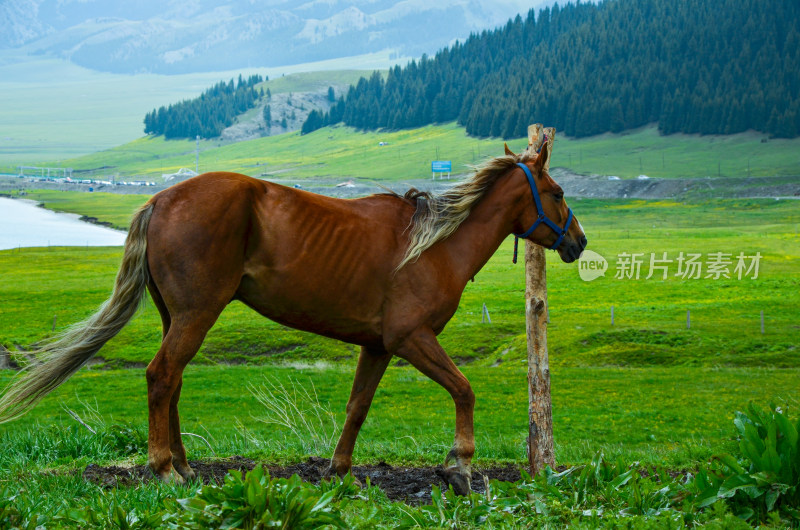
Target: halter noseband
[[541, 217]]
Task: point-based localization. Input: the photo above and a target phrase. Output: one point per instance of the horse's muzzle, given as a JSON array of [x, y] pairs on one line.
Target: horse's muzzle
[[571, 249]]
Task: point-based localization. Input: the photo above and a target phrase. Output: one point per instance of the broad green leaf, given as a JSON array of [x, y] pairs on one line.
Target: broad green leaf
[[771, 498], [735, 483], [754, 438], [622, 479], [787, 429], [707, 497], [324, 501], [731, 462], [757, 415]]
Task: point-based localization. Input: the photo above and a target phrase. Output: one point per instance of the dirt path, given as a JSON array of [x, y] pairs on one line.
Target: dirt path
[[409, 484]]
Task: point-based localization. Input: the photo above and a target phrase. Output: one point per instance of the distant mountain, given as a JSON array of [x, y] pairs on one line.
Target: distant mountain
[[180, 36]]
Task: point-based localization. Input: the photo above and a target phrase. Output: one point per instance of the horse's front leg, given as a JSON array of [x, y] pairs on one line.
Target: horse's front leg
[[372, 364], [422, 349]]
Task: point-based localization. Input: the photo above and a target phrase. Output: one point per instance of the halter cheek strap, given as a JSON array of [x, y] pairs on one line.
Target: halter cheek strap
[[541, 217]]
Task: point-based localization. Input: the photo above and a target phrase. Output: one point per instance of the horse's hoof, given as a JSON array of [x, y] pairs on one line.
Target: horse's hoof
[[187, 473], [175, 478], [459, 481], [330, 472], [169, 476]]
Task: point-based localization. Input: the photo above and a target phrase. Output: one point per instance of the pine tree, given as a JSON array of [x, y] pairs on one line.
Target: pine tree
[[267, 113], [709, 66]]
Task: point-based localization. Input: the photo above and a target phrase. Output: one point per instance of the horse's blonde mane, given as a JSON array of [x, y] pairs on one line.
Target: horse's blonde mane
[[439, 215]]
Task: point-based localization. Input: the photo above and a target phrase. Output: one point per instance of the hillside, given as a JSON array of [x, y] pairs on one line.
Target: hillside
[[335, 154], [707, 67], [249, 107]]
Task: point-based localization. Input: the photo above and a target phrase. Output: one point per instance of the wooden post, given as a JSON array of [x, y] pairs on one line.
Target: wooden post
[[540, 413]]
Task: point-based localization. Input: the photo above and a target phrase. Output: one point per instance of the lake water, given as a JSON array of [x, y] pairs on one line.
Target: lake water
[[23, 224]]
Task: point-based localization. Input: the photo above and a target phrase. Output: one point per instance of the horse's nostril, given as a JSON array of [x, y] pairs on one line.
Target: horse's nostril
[[583, 241]]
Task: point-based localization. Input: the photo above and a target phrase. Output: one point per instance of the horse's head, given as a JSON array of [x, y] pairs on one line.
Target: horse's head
[[546, 219]]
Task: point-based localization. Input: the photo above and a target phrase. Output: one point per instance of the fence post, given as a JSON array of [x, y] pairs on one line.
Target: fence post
[[540, 412]]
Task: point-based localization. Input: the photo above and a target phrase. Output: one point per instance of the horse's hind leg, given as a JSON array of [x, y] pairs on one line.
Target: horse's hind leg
[[164, 380], [372, 364], [422, 350], [179, 462]]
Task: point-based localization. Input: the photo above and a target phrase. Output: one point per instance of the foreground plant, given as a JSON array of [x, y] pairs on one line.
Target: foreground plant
[[759, 485], [258, 501], [765, 476]]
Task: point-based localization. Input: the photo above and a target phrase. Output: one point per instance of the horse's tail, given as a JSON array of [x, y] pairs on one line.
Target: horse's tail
[[57, 360]]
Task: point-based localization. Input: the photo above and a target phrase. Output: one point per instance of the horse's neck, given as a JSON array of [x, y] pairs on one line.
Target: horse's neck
[[487, 226]]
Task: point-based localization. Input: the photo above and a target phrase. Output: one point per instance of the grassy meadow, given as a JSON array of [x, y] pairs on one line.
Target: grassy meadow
[[651, 415], [650, 314], [645, 390], [341, 153], [655, 418]]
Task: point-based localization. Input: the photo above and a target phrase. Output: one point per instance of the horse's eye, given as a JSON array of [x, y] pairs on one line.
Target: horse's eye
[[559, 196]]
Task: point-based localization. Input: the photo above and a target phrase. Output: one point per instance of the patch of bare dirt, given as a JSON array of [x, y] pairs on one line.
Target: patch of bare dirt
[[409, 484]]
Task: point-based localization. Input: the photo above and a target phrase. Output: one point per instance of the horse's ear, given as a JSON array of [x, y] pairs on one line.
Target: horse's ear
[[541, 163], [509, 152]]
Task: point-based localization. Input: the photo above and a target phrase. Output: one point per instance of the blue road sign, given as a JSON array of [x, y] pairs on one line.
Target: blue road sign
[[441, 166]]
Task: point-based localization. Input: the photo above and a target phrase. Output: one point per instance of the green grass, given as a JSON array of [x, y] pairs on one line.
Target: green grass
[[672, 417], [650, 314], [644, 151], [338, 153], [341, 153], [634, 414], [644, 390]]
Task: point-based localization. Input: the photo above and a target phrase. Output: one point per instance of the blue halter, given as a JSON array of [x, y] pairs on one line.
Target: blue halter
[[541, 217]]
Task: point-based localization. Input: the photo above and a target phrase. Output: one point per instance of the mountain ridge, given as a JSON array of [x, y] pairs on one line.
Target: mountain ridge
[[178, 37]]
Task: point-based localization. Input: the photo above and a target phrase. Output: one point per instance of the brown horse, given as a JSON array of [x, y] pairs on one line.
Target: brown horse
[[385, 272]]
